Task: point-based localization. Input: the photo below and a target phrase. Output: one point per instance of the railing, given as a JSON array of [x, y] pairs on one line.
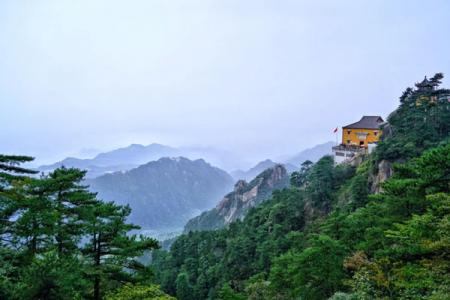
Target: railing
[[349, 148]]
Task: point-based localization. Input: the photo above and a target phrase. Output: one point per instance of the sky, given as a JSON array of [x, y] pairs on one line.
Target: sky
[[258, 78]]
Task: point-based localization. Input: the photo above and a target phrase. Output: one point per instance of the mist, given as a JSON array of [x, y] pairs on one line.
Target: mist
[[256, 78]]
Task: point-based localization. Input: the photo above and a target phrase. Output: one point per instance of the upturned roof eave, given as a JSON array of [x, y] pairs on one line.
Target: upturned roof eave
[[348, 127], [357, 125]]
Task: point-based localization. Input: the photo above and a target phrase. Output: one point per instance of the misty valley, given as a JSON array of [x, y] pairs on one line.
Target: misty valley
[[224, 150], [367, 218], [166, 191]]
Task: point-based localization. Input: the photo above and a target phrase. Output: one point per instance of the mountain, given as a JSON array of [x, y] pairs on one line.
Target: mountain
[[332, 235], [164, 193], [124, 159], [121, 159], [134, 154], [313, 154], [258, 168], [236, 204]]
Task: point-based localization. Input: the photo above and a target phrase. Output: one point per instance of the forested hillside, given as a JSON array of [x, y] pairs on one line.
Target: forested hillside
[[376, 228], [164, 193], [332, 234]]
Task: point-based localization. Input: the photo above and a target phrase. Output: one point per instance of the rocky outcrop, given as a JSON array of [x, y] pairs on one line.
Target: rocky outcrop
[[384, 172], [244, 196]]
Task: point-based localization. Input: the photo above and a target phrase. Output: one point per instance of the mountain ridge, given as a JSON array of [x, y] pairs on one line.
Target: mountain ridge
[[164, 193], [129, 157]]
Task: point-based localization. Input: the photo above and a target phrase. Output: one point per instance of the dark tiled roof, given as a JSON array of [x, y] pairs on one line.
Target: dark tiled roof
[[367, 122], [426, 83]]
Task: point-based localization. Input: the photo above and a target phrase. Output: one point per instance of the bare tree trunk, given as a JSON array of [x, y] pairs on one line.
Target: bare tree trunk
[[97, 264]]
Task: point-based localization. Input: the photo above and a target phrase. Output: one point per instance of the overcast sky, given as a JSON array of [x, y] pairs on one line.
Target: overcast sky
[[260, 78]]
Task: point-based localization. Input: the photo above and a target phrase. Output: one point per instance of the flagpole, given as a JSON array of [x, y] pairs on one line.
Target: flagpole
[[337, 136], [336, 132]]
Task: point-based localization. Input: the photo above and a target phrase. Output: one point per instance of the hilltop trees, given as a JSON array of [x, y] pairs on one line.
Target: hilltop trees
[[298, 178], [422, 121], [437, 78]]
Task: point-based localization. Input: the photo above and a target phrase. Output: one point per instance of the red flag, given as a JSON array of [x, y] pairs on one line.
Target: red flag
[[334, 131]]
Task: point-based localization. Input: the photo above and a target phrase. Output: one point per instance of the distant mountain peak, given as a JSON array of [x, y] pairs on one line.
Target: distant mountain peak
[[131, 156], [135, 146], [121, 159]]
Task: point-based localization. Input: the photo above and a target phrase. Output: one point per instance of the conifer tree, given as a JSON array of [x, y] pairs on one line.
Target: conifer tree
[[70, 202], [111, 253], [11, 174], [34, 226], [437, 78], [10, 169]]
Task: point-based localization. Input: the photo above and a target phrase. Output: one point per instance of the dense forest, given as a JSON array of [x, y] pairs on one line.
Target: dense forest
[[337, 232]]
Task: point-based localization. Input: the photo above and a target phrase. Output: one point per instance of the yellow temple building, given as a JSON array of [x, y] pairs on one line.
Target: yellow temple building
[[362, 133], [359, 137]]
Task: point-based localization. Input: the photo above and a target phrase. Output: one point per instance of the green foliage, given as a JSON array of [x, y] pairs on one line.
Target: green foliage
[[298, 178], [308, 243], [184, 289], [343, 296], [52, 277], [325, 237], [186, 186], [58, 241], [264, 184], [10, 169], [208, 260], [409, 256], [257, 288], [314, 273], [110, 253], [138, 292], [320, 182], [227, 293], [421, 122]]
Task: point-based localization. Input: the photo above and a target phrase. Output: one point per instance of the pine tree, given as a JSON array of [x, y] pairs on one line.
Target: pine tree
[[298, 178], [184, 288], [437, 78], [34, 226], [110, 251], [71, 201], [11, 176], [10, 169]]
